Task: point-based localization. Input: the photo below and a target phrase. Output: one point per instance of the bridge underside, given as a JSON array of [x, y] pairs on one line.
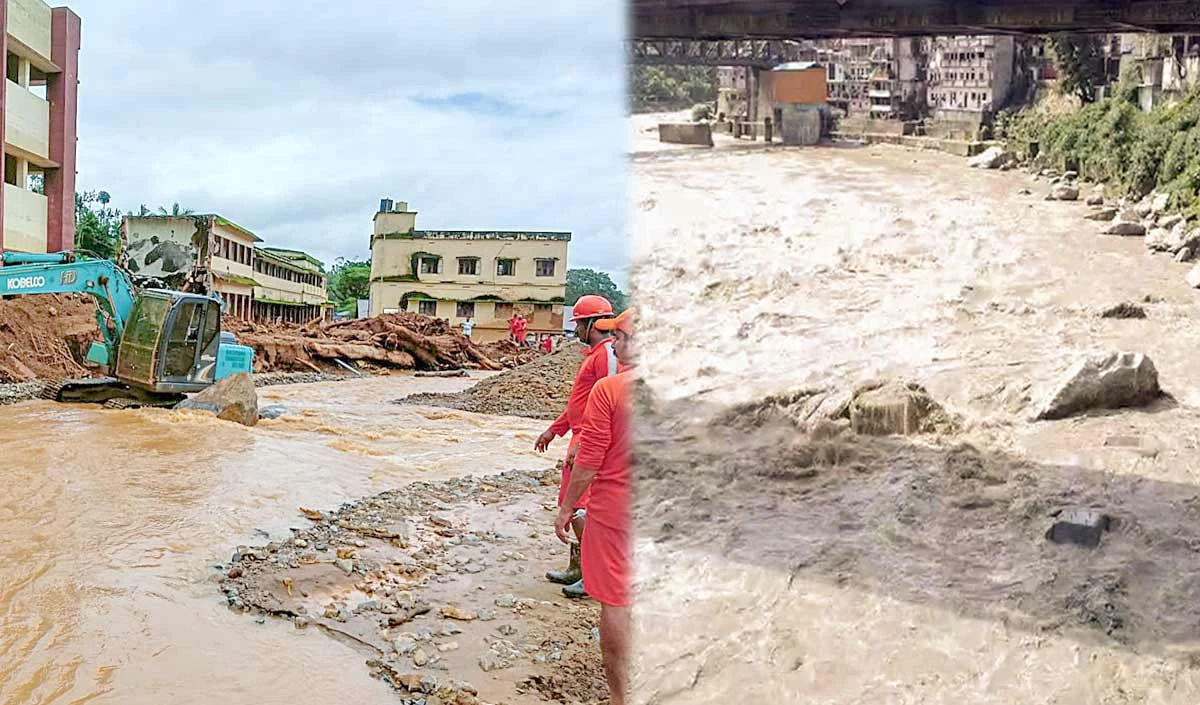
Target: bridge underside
[[817, 19]]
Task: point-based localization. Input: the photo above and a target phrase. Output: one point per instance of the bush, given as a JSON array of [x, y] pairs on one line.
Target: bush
[[701, 112]]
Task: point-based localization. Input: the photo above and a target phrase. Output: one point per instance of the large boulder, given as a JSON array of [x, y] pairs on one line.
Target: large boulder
[[990, 158], [1193, 277], [1179, 237], [1110, 381], [1105, 213], [895, 407], [1063, 192], [1126, 222], [231, 399]]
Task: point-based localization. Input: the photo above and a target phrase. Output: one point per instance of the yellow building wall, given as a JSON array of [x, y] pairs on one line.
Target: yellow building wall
[[393, 258], [29, 24], [25, 223], [27, 117]]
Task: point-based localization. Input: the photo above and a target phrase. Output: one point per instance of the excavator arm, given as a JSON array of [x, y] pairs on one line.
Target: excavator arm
[[60, 273]]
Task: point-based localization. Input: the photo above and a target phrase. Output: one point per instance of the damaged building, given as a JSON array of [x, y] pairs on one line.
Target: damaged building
[[486, 276], [211, 254]]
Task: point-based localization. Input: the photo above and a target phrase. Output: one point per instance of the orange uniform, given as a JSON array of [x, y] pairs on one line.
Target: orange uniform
[[600, 362], [605, 444]]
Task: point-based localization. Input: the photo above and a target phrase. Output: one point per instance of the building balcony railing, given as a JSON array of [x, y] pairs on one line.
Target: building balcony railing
[[27, 122], [29, 27]]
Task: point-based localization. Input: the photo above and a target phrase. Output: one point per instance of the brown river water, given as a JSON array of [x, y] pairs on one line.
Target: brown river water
[[114, 521], [760, 271]]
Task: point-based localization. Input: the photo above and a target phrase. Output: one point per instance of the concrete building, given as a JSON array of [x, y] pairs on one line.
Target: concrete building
[[454, 274], [210, 253], [39, 101], [1167, 65], [799, 94], [970, 78]]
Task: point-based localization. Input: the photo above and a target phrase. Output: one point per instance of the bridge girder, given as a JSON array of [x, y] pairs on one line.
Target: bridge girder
[[820, 19], [759, 53]]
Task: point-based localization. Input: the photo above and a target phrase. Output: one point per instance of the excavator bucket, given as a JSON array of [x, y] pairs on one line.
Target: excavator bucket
[[98, 354]]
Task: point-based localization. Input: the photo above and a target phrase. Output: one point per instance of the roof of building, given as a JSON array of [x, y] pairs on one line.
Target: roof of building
[[798, 66], [285, 253], [221, 220], [490, 235]]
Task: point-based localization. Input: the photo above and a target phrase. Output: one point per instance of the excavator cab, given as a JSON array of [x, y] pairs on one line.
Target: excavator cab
[[172, 344]]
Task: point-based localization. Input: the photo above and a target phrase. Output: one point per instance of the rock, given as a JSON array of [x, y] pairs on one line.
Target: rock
[[1142, 209], [1070, 175], [1125, 228], [1186, 254], [230, 399], [448, 646], [420, 658], [893, 408], [300, 543], [1107, 213], [506, 601], [405, 645], [1063, 192], [1170, 221], [235, 572], [1006, 166], [1157, 239], [1095, 200], [1193, 277], [990, 158], [1159, 202], [1124, 310], [1082, 527], [492, 662], [506, 630], [273, 411], [345, 564], [1110, 381], [1023, 192], [452, 612]]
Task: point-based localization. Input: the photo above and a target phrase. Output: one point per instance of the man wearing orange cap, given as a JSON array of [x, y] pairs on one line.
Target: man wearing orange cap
[[602, 468], [600, 362]]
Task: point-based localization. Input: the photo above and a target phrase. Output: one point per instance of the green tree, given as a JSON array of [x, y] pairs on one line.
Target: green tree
[[97, 227], [176, 210], [1079, 59], [581, 282], [349, 281], [673, 84]]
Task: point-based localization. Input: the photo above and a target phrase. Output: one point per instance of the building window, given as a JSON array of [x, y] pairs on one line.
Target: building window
[[504, 311], [545, 267], [468, 266], [429, 265], [427, 308], [541, 308], [465, 309], [506, 267]]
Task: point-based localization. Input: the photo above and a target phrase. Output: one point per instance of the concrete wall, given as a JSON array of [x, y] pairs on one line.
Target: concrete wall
[[159, 247], [804, 87], [27, 121], [24, 220], [29, 24], [491, 319], [801, 125], [686, 133]]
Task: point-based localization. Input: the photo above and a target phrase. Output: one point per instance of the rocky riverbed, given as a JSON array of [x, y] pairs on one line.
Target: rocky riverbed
[[441, 587]]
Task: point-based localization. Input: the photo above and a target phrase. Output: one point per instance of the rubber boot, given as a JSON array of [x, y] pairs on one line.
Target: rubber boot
[[575, 591], [572, 574]]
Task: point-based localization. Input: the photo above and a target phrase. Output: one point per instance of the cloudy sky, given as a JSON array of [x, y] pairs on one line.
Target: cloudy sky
[[294, 118]]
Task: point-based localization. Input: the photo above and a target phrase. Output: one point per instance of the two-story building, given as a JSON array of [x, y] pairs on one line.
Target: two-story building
[[487, 276], [257, 283], [38, 106]]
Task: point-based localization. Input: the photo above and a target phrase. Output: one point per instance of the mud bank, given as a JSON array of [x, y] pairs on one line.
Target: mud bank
[[440, 586], [537, 390]]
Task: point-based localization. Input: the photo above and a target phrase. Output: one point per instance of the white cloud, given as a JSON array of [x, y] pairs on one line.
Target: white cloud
[[294, 119]]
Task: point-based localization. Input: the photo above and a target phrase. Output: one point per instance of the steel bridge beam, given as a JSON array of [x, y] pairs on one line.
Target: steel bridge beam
[[818, 19]]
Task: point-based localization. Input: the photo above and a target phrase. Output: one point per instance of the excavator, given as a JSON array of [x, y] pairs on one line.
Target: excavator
[[158, 345]]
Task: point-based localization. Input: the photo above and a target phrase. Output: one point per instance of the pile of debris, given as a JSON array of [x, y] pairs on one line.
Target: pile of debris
[[46, 337], [538, 390], [393, 340], [509, 354]]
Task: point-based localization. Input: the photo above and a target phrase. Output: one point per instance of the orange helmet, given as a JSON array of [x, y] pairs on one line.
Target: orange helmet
[[591, 306], [623, 323]]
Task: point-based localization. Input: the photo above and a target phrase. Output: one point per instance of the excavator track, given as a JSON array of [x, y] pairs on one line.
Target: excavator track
[[112, 393]]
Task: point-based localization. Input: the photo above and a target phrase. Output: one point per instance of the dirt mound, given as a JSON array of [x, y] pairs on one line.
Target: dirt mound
[[538, 390], [509, 354], [394, 340], [45, 337]]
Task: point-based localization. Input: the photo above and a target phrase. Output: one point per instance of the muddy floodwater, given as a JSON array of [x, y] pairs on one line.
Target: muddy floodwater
[[775, 565], [113, 521]]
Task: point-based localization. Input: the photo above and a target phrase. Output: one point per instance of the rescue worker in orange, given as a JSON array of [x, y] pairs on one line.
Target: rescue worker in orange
[[602, 467], [600, 361]]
